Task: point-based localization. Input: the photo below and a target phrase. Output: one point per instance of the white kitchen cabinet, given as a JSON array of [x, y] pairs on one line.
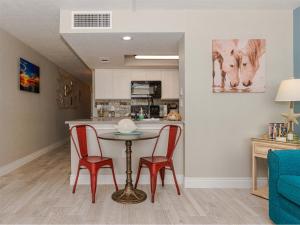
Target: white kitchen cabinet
[[154, 75], [138, 75], [112, 84], [103, 84], [170, 84], [116, 83], [145, 74], [121, 84]]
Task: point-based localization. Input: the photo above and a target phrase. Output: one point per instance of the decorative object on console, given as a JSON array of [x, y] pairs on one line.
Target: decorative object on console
[[278, 131], [29, 76], [238, 65], [289, 91], [126, 126]]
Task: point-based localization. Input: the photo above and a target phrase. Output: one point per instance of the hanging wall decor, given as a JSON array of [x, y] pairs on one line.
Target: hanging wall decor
[[238, 65], [68, 93], [29, 76]]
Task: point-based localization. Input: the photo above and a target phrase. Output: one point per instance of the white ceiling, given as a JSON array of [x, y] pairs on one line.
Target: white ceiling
[[90, 47], [36, 22]]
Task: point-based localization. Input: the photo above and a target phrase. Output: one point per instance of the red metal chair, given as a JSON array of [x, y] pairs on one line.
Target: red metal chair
[[159, 164], [92, 163]]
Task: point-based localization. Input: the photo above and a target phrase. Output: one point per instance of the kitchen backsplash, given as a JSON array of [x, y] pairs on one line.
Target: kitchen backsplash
[[122, 108]]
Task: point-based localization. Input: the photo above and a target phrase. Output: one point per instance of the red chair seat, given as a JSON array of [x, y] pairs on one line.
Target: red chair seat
[[155, 159], [95, 159]]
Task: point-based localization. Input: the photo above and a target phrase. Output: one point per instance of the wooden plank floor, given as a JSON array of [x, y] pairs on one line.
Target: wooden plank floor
[[39, 193]]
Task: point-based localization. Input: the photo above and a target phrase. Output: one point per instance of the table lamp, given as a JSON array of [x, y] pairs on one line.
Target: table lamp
[[289, 91]]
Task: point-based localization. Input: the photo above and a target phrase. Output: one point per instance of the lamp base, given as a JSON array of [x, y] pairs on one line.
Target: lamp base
[[291, 118], [290, 136]]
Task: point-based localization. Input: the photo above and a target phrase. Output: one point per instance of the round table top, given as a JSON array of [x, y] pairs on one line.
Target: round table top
[[114, 136]]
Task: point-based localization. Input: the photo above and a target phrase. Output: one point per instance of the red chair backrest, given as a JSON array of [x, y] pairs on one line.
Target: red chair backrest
[[173, 138], [81, 130]]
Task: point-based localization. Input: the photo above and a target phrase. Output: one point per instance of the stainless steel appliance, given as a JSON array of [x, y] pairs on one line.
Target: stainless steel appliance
[[145, 89], [152, 111], [163, 111]]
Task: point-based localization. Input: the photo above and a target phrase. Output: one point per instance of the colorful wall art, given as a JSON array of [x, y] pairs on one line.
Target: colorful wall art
[[29, 76]]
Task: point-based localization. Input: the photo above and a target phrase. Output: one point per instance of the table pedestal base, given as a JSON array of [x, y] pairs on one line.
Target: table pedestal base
[[129, 195]]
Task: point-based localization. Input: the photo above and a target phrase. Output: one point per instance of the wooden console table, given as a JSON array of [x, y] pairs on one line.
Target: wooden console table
[[260, 148]]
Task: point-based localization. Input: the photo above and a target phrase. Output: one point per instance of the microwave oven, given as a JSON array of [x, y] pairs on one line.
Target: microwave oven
[[145, 89]]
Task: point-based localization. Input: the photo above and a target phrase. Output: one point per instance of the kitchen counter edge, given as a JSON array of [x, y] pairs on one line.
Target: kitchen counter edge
[[115, 121]]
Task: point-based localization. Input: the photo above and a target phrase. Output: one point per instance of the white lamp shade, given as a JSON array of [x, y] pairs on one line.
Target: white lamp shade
[[289, 90]]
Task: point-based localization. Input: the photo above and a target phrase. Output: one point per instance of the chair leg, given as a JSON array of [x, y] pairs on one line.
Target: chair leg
[[114, 177], [93, 174], [174, 176], [138, 175], [153, 181], [75, 184], [162, 172]]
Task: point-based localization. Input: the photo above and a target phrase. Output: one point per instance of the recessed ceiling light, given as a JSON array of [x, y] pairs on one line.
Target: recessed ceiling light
[[126, 38], [104, 59], [156, 57]]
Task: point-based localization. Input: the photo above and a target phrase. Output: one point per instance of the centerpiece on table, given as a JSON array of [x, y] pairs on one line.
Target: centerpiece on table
[[127, 126]]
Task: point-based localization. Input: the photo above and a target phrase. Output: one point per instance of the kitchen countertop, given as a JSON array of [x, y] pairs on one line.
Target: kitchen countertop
[[115, 120]]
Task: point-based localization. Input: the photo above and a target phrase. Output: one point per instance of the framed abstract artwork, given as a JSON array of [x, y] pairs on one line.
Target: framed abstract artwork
[[29, 76], [239, 65]]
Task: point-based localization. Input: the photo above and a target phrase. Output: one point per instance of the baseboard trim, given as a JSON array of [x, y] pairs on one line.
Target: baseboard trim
[[84, 179], [188, 182], [22, 161], [221, 182]]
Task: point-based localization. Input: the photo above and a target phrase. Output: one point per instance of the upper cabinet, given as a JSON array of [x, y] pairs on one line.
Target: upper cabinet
[[137, 75], [154, 75], [103, 84], [116, 83], [121, 84], [170, 84], [112, 84]]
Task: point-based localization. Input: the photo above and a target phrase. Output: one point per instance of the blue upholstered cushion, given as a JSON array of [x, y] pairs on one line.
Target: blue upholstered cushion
[[289, 187], [290, 209]]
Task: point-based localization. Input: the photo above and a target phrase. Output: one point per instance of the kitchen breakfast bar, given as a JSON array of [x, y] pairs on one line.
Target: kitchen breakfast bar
[[125, 152]]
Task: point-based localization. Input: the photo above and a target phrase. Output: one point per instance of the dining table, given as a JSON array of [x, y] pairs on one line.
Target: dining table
[[129, 195]]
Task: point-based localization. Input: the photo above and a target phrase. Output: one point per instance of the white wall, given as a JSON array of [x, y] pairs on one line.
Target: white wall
[[29, 121], [218, 127]]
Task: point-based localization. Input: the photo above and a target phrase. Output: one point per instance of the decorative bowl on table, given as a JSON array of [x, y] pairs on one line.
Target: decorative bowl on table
[[126, 126]]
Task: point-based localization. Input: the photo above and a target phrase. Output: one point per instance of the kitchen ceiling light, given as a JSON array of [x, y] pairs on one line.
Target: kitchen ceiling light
[[104, 59], [156, 57], [126, 38]]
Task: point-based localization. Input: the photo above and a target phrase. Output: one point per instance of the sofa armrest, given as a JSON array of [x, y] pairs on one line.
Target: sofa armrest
[[284, 162], [281, 162]]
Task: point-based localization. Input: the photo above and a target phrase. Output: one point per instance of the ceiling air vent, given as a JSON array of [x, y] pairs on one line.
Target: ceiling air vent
[[92, 19]]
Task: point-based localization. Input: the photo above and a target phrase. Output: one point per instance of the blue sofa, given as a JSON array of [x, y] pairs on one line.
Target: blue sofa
[[284, 186]]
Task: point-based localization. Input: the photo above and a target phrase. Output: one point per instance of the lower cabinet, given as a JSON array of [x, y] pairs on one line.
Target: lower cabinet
[[116, 83]]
